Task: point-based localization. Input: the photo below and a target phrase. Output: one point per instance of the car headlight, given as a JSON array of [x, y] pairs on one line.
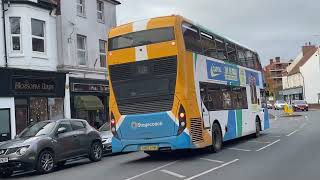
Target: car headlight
[[106, 140], [22, 150]]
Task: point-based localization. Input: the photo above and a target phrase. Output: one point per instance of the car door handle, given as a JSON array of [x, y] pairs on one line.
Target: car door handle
[[74, 136]]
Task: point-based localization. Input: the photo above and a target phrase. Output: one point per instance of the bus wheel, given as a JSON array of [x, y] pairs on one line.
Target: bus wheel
[[216, 138], [258, 128]]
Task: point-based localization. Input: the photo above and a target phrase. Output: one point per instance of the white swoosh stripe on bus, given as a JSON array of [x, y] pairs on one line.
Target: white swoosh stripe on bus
[[120, 121]]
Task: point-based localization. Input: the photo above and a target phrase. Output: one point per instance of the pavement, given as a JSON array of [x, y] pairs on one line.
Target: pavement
[[288, 150]]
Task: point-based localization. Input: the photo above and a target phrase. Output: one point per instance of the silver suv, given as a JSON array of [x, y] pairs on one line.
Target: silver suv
[[47, 144]]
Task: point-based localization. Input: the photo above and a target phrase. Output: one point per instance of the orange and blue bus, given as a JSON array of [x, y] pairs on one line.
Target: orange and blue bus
[[177, 85]]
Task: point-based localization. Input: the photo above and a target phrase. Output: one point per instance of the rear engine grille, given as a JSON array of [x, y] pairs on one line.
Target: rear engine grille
[[196, 130], [160, 104]]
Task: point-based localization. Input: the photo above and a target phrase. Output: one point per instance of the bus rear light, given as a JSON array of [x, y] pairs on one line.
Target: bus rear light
[[182, 120], [113, 125]]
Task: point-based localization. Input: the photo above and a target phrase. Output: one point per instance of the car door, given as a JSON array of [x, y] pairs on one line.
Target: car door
[[65, 142], [82, 138]]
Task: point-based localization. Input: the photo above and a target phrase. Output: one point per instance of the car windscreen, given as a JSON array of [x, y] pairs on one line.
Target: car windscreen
[[38, 129], [141, 38], [105, 127], [299, 102]]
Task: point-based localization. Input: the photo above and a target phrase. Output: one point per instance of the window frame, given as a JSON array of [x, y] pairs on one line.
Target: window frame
[[39, 37], [15, 35], [85, 50], [83, 7], [101, 12], [103, 53]]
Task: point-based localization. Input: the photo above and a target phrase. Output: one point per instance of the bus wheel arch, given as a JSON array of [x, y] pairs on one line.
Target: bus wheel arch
[[258, 126], [217, 138]]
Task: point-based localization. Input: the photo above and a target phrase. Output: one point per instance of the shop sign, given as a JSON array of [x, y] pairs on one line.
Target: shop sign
[[33, 85], [82, 87]]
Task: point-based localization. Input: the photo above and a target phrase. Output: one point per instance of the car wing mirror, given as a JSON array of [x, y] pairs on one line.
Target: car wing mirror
[[61, 130]]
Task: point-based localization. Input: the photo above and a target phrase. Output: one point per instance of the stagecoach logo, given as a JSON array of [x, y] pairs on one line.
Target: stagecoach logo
[[135, 125]]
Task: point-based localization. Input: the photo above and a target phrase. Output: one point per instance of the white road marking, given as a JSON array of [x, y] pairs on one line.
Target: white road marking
[[263, 142], [292, 132], [268, 145], [302, 126], [213, 169], [275, 136], [239, 149], [152, 170], [212, 160], [172, 173]]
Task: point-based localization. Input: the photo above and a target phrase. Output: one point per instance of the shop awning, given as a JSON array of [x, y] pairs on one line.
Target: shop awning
[[88, 103]]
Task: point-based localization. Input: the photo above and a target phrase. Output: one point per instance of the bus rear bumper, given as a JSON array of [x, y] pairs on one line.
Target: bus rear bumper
[[182, 141]]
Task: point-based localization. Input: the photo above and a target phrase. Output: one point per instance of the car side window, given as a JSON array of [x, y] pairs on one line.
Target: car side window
[[66, 125], [77, 125]]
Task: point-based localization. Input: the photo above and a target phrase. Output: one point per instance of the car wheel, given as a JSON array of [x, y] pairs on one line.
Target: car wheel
[[96, 152], [45, 162], [216, 138], [258, 128], [6, 174]]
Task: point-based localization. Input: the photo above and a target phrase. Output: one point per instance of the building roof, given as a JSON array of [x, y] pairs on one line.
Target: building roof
[[115, 2], [302, 61], [46, 4]]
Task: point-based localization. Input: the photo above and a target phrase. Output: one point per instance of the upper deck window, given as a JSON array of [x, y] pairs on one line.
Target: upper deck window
[[142, 38], [191, 37]]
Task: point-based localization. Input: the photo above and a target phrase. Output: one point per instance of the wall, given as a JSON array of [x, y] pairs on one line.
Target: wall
[[70, 24], [9, 103], [311, 73], [27, 59], [2, 61]]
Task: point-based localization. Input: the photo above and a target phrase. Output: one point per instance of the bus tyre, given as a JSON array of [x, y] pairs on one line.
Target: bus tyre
[[216, 138], [258, 128]]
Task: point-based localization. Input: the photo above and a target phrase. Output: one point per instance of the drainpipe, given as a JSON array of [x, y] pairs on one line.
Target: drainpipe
[[4, 34], [304, 88]]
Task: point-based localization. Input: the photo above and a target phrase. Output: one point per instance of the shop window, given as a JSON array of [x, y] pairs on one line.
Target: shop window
[[5, 128], [56, 110], [38, 109]]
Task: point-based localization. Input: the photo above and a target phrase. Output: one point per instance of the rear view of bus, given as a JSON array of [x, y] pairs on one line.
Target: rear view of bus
[[146, 111]]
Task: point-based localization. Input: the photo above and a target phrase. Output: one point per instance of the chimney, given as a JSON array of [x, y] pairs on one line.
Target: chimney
[[277, 59], [271, 61], [306, 48]]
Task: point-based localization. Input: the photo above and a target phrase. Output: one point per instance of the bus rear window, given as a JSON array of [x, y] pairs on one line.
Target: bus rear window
[[141, 38]]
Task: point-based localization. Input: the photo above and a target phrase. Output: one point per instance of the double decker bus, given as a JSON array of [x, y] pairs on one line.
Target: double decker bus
[[177, 85]]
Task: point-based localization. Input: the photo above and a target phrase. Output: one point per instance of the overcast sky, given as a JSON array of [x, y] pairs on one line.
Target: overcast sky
[[271, 27]]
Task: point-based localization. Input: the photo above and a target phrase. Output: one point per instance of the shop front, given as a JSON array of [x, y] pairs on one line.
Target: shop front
[[89, 100], [34, 95], [292, 94]]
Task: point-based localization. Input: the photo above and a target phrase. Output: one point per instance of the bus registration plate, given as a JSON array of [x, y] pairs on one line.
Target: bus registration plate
[[149, 148]]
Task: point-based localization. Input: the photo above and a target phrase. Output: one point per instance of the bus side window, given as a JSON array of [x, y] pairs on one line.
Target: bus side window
[[221, 49], [208, 45], [191, 37], [241, 57], [231, 53], [250, 59]]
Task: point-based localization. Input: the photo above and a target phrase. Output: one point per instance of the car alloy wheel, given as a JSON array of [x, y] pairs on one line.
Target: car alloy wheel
[[46, 162], [96, 152]]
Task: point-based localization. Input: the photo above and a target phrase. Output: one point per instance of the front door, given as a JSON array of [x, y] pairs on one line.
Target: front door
[[5, 126], [21, 118], [67, 143]]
